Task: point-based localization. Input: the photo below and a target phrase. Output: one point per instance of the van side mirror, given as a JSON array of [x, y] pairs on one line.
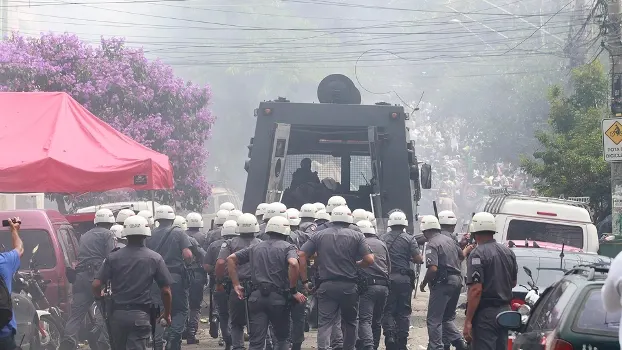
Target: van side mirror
[[426, 176], [510, 320]]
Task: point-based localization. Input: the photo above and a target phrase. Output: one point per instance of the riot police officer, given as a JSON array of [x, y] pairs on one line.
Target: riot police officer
[[247, 228], [229, 230], [117, 231], [181, 222], [274, 273], [228, 206], [448, 222], [319, 206], [147, 214], [341, 251], [443, 257], [234, 215], [95, 246], [372, 302], [321, 218], [260, 211], [195, 295], [307, 218], [297, 237], [173, 244], [403, 249], [333, 202], [359, 215], [273, 209], [132, 271], [214, 234], [124, 214], [491, 275]]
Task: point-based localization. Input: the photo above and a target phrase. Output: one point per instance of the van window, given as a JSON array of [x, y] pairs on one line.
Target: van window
[[592, 318], [66, 239], [45, 257], [520, 230]]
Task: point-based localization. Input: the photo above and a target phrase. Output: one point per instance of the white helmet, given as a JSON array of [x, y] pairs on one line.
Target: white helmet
[[194, 220], [261, 209], [366, 227], [319, 206], [293, 215], [164, 212], [278, 224], [447, 217], [147, 215], [275, 209], [308, 210], [221, 217], [373, 221], [482, 222], [359, 214], [117, 230], [322, 215], [227, 206], [234, 215], [124, 214], [247, 223], [334, 202], [136, 226], [429, 222], [104, 216], [341, 214], [229, 228], [181, 222], [397, 218]]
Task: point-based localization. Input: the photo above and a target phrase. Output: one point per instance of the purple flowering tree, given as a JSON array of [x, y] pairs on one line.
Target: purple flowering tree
[[140, 98]]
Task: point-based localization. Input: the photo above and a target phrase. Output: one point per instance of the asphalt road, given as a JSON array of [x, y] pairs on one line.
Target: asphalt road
[[417, 340]]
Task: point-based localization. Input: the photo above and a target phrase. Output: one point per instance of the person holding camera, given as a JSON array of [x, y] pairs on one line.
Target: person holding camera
[[9, 264]]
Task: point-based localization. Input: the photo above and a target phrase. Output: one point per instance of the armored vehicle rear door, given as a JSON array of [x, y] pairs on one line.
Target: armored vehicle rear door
[[277, 163]]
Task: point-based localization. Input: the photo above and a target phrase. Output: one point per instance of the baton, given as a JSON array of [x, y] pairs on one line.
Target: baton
[[417, 272]]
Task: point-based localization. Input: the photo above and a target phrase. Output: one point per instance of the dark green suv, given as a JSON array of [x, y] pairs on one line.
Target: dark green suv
[[569, 315]]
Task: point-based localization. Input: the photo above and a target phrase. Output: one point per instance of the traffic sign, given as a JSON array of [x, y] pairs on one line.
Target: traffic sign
[[612, 139]]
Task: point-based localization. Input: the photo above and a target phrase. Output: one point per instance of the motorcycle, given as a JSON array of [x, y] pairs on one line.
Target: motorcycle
[[32, 285], [531, 298]]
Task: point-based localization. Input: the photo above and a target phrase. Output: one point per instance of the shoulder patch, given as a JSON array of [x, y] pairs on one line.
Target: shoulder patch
[[429, 251], [223, 245], [476, 261]]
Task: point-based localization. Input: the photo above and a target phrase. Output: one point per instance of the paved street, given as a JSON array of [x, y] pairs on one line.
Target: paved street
[[417, 340]]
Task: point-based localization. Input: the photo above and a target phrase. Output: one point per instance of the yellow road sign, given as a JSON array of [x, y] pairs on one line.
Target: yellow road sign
[[615, 132]]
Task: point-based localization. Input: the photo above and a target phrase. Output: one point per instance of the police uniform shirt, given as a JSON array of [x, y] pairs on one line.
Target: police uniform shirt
[[298, 238], [268, 262], [94, 247], [172, 249], [380, 268], [200, 237], [197, 252], [443, 252], [448, 234], [132, 271], [213, 252], [234, 245], [262, 231], [211, 236], [494, 266], [340, 249], [308, 227], [328, 224], [402, 247]]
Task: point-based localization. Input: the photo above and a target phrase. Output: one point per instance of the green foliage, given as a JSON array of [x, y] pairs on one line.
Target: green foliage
[[569, 161]]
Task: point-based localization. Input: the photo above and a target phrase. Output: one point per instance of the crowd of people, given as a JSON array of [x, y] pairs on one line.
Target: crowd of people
[[262, 267]]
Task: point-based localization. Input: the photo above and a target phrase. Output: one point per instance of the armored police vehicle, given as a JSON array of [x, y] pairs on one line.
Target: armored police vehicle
[[308, 152]]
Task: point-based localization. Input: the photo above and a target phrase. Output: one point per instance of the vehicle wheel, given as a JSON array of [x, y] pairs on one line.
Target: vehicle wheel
[[50, 333]]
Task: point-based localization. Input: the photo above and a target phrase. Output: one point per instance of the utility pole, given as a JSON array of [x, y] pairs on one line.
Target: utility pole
[[576, 48], [614, 46]]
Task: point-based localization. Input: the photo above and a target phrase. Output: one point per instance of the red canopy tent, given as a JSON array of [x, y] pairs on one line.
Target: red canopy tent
[[51, 143]]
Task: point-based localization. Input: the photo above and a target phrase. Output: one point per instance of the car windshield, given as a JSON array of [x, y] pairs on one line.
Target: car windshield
[[44, 257], [520, 230], [592, 317], [544, 275]]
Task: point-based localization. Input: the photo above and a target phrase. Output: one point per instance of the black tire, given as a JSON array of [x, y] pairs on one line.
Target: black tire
[[55, 330]]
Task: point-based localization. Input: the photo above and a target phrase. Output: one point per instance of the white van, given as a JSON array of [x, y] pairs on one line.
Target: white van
[[523, 218], [219, 196]]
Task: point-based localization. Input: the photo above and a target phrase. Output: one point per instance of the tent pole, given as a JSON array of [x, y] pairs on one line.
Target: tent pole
[[153, 202]]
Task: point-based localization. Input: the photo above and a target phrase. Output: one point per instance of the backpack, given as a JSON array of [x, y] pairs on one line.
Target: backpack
[[6, 304]]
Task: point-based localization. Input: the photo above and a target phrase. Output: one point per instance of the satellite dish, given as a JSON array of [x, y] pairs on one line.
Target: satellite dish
[[339, 89]]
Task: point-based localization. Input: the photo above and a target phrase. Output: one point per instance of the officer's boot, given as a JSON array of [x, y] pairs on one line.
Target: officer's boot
[[460, 344], [228, 343], [402, 343], [359, 344], [296, 346], [389, 342], [184, 334]]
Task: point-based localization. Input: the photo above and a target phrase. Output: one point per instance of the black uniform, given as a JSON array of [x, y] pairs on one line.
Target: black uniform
[[494, 266]]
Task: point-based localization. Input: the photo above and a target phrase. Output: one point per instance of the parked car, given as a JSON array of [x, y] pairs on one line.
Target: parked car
[[58, 248], [547, 267], [569, 315]]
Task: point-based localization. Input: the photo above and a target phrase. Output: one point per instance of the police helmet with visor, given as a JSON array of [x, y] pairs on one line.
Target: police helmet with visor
[[164, 212], [136, 226], [104, 216], [124, 214], [194, 220], [229, 228], [221, 217], [278, 224], [341, 214], [366, 227], [247, 223]]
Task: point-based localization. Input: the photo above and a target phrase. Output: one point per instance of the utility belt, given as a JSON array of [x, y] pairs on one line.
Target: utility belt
[[71, 273], [378, 282], [187, 275], [360, 281], [490, 302], [442, 275], [266, 288], [133, 307], [227, 285]]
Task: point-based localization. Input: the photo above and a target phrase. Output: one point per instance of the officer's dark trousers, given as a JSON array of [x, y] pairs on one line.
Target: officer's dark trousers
[[487, 335], [442, 313], [130, 329], [298, 318], [179, 313], [396, 318], [222, 300], [82, 300], [371, 307], [237, 319], [264, 310], [195, 300], [334, 298]]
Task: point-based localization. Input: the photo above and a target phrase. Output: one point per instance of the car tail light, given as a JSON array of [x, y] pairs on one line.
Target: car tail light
[[516, 303], [551, 342]]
